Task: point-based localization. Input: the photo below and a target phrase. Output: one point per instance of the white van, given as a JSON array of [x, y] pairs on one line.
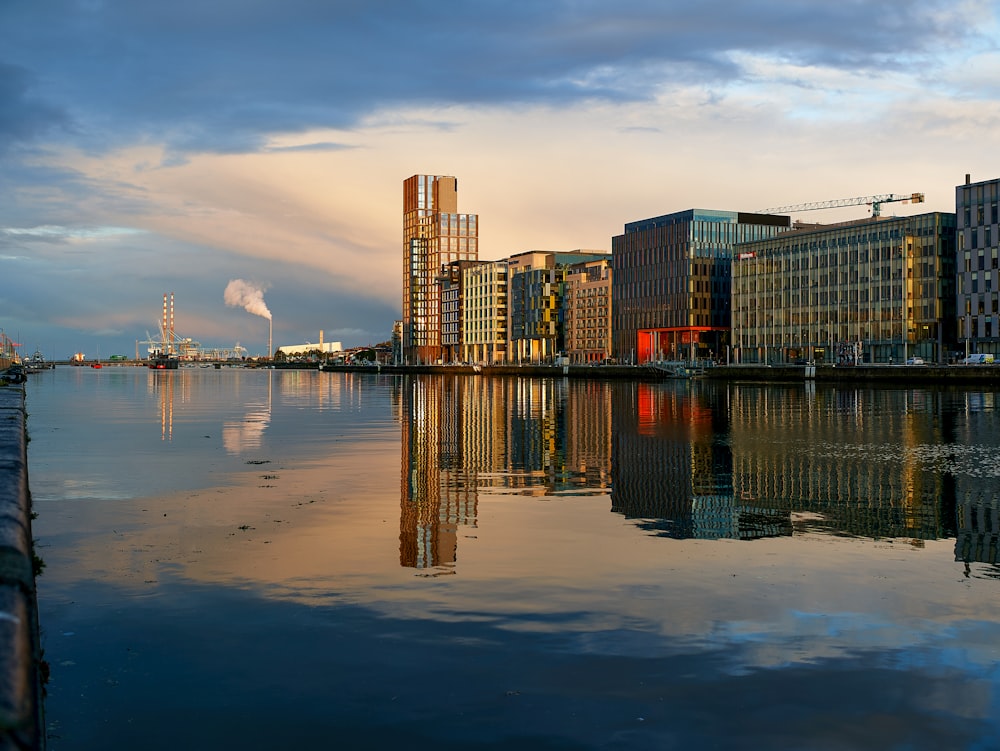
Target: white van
[[980, 359]]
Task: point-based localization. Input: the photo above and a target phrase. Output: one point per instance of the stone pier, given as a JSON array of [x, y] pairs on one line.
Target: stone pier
[[21, 666]]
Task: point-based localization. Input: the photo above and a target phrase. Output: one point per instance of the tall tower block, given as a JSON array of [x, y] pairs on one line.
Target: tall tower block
[[434, 234]]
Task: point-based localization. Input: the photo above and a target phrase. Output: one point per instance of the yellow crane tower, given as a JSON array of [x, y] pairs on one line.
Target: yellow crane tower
[[874, 201]]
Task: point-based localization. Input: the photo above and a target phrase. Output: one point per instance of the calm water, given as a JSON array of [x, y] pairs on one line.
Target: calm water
[[269, 559]]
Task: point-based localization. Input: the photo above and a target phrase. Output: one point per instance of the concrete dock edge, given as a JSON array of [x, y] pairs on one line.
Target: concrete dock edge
[[21, 705]]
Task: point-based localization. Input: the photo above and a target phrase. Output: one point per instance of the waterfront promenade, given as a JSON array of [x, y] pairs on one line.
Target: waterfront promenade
[[21, 725]]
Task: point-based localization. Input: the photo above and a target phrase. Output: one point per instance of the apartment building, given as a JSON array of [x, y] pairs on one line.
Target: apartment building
[[484, 323], [670, 292], [875, 290], [434, 235], [978, 293], [587, 312], [536, 287]]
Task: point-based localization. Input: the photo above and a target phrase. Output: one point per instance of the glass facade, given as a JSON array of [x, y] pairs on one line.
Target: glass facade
[[875, 290], [434, 235], [537, 288], [671, 286]]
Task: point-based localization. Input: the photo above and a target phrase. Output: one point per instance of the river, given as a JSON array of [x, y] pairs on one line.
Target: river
[[264, 559]]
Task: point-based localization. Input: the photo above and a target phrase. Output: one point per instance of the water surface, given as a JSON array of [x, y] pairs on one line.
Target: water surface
[[283, 559]]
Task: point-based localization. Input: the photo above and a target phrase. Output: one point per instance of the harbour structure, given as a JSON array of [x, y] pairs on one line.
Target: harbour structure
[[670, 292], [8, 351], [978, 276], [434, 235], [169, 345], [875, 290]]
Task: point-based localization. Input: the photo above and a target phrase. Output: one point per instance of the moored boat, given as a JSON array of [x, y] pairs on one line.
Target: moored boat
[[163, 363], [37, 363]]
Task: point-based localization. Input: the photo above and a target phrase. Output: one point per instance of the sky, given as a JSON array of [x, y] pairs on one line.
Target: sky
[[149, 148]]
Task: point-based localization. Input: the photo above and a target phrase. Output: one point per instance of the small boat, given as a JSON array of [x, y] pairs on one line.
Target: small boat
[[163, 363], [36, 363]]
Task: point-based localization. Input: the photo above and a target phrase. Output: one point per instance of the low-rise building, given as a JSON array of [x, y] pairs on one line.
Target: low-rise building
[[321, 348]]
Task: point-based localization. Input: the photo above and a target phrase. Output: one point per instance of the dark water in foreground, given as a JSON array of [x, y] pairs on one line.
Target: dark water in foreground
[[271, 559]]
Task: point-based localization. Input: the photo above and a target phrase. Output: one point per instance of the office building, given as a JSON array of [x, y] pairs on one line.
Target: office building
[[978, 294], [671, 285], [876, 290], [434, 235]]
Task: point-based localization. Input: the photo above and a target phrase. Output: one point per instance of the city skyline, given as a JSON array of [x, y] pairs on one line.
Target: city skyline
[[148, 150]]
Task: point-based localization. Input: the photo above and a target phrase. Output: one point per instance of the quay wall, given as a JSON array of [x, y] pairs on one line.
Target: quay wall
[[956, 375], [21, 665]]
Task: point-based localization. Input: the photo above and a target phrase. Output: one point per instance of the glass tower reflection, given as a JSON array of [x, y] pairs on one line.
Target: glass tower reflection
[[464, 434]]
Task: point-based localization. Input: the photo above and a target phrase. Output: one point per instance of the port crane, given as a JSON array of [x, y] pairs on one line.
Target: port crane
[[874, 201]]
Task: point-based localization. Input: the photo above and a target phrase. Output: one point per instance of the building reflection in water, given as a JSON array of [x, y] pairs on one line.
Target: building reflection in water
[[461, 434], [849, 456], [672, 465], [699, 460], [976, 490]]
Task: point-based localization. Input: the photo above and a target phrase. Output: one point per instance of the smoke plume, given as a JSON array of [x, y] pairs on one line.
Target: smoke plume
[[241, 294]]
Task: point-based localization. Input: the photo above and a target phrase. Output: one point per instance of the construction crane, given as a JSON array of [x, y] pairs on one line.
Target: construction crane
[[874, 201]]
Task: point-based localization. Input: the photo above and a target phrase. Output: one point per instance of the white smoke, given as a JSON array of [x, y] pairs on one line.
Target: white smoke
[[250, 297]]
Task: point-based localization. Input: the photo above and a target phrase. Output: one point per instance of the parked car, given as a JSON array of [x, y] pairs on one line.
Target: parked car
[[915, 361]]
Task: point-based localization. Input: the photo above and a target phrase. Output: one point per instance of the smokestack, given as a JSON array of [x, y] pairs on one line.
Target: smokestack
[[968, 179], [270, 326], [171, 339]]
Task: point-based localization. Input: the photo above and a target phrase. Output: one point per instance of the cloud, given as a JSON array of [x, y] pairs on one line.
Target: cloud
[[308, 147], [221, 77], [23, 117]]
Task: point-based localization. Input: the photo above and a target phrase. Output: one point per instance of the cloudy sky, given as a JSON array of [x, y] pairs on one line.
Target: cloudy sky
[[151, 147]]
